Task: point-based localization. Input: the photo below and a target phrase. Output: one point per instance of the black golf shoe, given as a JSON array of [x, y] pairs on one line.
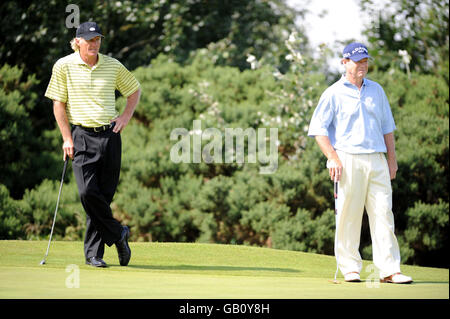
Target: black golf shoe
[[96, 262], [123, 250]]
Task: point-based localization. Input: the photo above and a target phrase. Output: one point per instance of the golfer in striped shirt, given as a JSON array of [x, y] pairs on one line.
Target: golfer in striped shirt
[[353, 125], [82, 87]]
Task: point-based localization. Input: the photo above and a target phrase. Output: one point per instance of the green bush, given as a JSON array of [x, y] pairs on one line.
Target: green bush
[[26, 156], [427, 233], [292, 208], [16, 128], [38, 207], [10, 221], [238, 64], [422, 153], [303, 232]]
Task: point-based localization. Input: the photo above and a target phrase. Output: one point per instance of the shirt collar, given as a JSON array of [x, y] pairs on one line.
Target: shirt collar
[[347, 82], [78, 60]]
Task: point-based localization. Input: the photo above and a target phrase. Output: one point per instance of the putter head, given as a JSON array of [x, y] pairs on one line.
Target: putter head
[[42, 262]]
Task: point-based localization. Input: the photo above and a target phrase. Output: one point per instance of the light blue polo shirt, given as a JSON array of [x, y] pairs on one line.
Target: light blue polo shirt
[[354, 120]]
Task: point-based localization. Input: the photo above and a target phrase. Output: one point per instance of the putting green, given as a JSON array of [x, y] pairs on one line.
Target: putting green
[[187, 270]]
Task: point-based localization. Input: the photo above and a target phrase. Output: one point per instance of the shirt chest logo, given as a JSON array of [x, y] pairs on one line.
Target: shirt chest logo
[[369, 102]]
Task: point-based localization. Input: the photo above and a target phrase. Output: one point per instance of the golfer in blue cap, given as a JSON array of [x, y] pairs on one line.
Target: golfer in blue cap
[[353, 125]]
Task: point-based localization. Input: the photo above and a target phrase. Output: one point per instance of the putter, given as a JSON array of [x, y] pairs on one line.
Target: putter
[[336, 184], [335, 191], [56, 210]]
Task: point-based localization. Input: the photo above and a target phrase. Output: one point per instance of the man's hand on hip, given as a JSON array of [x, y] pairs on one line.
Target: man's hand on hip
[[121, 122]]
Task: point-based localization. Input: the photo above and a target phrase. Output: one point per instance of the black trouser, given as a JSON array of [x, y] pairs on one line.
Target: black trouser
[[96, 166]]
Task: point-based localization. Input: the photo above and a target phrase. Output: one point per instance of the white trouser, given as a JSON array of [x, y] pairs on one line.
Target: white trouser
[[365, 182]]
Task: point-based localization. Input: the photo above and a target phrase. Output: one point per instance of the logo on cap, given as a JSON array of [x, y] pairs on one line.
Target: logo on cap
[[88, 30], [355, 51]]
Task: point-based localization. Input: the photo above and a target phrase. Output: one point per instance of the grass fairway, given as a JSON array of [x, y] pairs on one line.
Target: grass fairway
[[200, 271]]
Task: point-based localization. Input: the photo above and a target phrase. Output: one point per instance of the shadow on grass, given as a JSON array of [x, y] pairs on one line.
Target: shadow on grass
[[212, 268], [420, 282], [414, 283]]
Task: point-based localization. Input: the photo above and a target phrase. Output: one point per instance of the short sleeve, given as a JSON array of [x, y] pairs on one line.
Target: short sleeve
[[126, 82], [322, 117], [57, 87], [388, 123]]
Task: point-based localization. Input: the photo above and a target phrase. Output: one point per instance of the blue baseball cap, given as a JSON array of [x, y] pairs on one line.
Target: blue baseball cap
[[355, 51]]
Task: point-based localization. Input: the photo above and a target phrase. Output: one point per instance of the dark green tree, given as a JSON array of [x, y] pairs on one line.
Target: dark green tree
[[34, 34]]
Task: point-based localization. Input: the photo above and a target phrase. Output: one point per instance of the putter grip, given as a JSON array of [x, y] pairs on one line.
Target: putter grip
[[335, 186], [65, 168]]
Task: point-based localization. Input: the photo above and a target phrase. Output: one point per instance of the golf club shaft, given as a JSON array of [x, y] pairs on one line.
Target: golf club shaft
[[57, 204], [336, 184]]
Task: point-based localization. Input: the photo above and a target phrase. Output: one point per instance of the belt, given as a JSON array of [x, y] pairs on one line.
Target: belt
[[99, 128]]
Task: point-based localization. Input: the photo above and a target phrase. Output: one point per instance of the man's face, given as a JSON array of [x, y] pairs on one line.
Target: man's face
[[356, 69], [89, 48]]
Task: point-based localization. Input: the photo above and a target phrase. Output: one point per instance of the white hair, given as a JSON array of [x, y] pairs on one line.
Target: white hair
[[74, 45]]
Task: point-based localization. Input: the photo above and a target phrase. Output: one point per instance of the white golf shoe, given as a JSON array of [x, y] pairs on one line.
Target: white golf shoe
[[352, 277], [397, 278]]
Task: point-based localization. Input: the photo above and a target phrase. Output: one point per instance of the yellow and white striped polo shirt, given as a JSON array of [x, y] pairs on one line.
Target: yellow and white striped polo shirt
[[89, 93]]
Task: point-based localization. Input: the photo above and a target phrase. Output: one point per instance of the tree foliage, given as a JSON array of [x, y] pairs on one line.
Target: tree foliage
[[227, 65], [419, 27]]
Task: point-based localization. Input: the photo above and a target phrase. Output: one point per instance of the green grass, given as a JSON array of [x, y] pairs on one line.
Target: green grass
[[207, 271]]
